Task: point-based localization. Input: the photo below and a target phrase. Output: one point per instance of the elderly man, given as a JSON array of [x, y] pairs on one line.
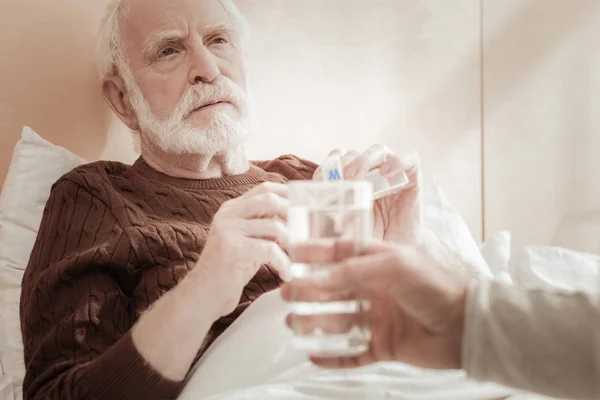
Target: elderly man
[[137, 269]]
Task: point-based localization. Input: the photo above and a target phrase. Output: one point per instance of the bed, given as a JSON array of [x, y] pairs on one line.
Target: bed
[[249, 361]]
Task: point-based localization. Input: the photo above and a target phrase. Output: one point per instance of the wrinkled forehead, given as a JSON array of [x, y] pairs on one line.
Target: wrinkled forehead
[[147, 19]]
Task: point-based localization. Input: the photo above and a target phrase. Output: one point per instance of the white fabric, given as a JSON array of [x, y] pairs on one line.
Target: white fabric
[[539, 267], [543, 340], [251, 362], [267, 366], [496, 252], [8, 389], [36, 164], [442, 218]]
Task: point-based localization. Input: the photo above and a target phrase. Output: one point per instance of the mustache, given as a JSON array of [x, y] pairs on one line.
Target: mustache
[[221, 90]]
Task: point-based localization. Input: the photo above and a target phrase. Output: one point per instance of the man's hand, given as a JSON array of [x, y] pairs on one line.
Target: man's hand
[[245, 234], [417, 297], [397, 217]]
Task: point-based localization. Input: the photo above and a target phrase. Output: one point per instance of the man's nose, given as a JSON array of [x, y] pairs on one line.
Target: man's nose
[[204, 66]]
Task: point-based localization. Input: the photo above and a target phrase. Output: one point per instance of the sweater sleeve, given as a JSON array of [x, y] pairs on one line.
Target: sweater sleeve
[[290, 166], [75, 314], [538, 341]]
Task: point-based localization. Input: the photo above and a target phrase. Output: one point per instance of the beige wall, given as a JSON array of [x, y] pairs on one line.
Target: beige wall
[[342, 73], [542, 121], [328, 74], [47, 77], [407, 73]]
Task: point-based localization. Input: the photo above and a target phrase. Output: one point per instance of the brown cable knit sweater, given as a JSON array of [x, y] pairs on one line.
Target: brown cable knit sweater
[[113, 239]]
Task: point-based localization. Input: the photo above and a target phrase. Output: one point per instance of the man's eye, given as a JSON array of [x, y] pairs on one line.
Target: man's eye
[[167, 52], [220, 41]]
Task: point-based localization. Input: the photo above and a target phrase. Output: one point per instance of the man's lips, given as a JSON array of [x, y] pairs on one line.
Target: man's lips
[[211, 104], [208, 106]]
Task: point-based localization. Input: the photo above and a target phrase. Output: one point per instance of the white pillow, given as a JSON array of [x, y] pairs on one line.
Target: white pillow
[[496, 253], [542, 267], [36, 164], [10, 388], [443, 219], [556, 268]]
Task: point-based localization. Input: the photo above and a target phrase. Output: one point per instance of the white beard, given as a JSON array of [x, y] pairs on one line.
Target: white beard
[[174, 135]]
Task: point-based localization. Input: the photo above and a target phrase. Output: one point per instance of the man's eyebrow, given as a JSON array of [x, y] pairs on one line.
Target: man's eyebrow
[[216, 29], [159, 40]]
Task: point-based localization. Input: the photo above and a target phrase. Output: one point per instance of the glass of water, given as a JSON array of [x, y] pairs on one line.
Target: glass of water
[[325, 214]]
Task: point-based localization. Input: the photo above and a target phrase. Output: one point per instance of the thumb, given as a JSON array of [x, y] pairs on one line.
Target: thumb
[[410, 163], [317, 174]]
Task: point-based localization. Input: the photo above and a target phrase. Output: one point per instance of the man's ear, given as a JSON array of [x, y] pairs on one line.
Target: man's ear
[[115, 94]]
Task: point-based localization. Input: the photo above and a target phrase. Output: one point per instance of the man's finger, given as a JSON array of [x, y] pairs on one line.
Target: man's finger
[[266, 228], [363, 271], [349, 157], [317, 176], [373, 158], [331, 162], [266, 205], [341, 362], [337, 153], [267, 187], [325, 250], [271, 254], [328, 324], [302, 290], [391, 167], [331, 250], [407, 163]]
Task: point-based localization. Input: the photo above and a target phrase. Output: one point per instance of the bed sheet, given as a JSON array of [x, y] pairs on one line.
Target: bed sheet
[[9, 388], [255, 359]]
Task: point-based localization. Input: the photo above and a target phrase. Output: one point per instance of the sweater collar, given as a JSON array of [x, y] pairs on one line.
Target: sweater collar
[[254, 175]]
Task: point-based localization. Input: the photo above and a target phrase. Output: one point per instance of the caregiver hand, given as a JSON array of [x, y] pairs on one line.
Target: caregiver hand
[[417, 296], [397, 217]]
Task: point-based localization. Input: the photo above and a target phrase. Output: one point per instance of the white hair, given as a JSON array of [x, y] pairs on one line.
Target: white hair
[[110, 56]]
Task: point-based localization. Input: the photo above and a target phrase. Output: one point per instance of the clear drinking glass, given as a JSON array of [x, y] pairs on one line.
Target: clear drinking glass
[[323, 212]]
